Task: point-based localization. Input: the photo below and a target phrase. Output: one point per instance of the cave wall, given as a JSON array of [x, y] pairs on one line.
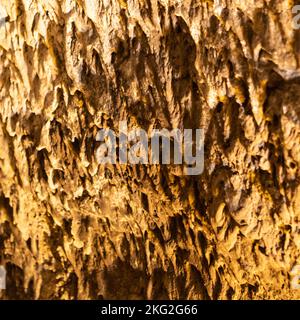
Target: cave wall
[[73, 229]]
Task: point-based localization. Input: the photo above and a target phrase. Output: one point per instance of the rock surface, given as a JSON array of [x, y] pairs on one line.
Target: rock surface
[[73, 229]]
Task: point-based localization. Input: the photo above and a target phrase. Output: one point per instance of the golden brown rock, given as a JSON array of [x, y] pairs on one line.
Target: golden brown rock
[[73, 229]]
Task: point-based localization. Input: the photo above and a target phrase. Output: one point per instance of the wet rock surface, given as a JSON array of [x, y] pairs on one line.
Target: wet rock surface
[[73, 229]]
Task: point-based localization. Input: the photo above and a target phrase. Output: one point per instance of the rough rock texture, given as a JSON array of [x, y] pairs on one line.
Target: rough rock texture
[[73, 229]]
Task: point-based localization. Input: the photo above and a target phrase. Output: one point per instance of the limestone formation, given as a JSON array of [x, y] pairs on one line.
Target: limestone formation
[[71, 228]]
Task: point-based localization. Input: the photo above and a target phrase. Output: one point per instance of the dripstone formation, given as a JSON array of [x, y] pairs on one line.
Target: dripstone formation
[[71, 228]]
